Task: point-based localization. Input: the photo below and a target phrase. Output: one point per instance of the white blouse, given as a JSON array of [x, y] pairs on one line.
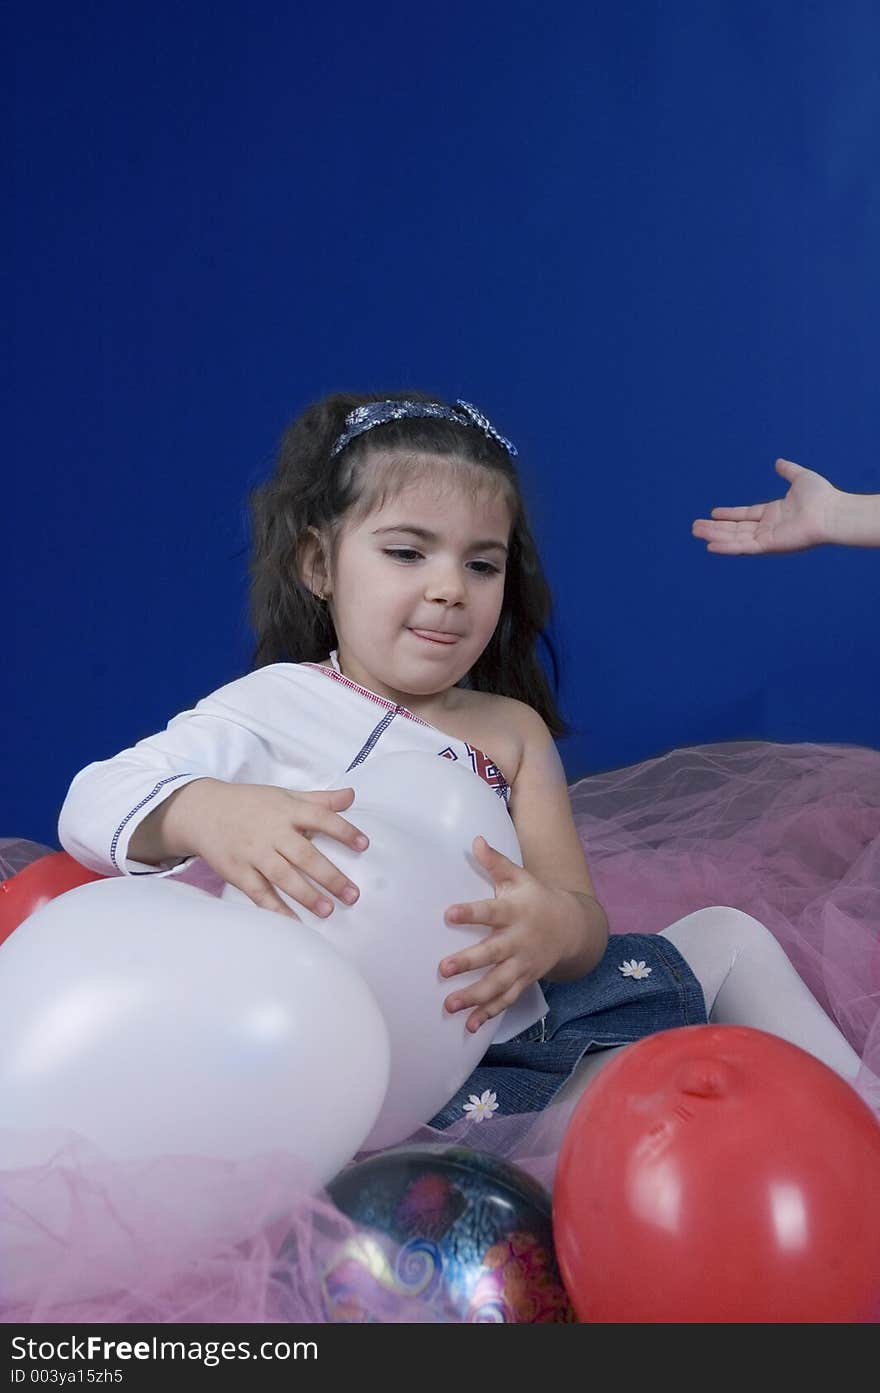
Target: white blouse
[[292, 725]]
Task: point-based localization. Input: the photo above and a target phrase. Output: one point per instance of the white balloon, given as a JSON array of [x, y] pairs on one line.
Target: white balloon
[[421, 814], [155, 1020]]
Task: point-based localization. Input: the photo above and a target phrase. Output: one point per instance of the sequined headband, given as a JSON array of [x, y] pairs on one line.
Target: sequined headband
[[377, 413]]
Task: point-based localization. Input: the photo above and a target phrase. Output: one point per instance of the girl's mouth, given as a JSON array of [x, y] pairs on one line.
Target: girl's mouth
[[432, 636]]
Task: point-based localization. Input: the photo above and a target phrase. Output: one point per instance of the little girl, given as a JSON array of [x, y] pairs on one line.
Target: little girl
[[398, 601]]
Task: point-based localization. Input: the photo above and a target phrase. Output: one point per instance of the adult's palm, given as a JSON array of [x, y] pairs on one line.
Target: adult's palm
[[793, 523]]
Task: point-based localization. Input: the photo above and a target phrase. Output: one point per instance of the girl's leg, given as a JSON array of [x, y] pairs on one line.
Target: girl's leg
[[747, 979]]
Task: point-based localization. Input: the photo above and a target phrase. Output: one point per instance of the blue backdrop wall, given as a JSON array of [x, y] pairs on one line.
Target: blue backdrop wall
[[643, 237]]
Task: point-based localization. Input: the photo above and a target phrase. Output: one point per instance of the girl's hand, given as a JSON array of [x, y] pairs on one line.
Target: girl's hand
[[803, 518], [258, 837], [533, 927]]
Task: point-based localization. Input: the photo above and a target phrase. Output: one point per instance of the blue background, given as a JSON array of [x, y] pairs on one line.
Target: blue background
[[642, 237]]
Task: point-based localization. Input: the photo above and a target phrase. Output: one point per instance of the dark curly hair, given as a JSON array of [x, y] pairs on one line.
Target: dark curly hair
[[310, 489]]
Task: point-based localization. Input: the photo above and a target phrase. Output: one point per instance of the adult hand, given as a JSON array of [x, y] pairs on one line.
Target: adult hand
[[799, 520]]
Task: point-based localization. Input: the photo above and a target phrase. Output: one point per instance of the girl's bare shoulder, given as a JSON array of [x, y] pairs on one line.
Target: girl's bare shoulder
[[500, 726]]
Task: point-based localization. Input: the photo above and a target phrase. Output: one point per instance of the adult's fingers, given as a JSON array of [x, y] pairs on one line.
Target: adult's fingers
[[789, 470], [753, 513], [732, 537]]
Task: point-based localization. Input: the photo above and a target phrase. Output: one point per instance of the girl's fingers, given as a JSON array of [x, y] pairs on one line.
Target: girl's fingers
[[259, 890], [495, 986], [320, 819], [287, 878], [494, 1008], [335, 798], [346, 832], [484, 954], [309, 878], [502, 870], [323, 816], [490, 912]]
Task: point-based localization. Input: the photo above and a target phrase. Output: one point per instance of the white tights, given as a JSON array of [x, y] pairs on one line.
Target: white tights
[[747, 980]]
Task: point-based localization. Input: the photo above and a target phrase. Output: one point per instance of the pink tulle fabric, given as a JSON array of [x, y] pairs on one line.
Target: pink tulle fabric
[[790, 833]]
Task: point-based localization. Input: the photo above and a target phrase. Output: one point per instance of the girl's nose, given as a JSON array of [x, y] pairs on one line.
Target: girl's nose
[[446, 584]]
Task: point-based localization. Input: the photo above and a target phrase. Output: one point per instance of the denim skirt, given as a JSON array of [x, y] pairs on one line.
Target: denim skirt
[[641, 985]]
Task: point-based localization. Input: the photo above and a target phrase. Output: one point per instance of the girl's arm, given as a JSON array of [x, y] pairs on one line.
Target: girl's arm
[[545, 920], [208, 786], [540, 805], [136, 812], [113, 813]]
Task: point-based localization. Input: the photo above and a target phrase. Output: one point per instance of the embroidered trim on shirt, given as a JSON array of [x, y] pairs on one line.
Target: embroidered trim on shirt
[[365, 691], [484, 767], [372, 740], [128, 816], [487, 770]]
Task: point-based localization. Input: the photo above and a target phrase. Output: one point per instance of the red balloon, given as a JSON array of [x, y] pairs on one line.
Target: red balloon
[[36, 885], [718, 1173]]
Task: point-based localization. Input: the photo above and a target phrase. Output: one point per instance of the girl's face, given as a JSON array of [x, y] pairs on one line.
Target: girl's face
[[417, 587]]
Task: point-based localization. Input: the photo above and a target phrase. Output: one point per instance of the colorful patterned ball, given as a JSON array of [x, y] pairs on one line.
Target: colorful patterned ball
[[458, 1234]]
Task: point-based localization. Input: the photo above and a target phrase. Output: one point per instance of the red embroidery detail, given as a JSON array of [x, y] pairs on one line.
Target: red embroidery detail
[[365, 691], [481, 764], [486, 768]]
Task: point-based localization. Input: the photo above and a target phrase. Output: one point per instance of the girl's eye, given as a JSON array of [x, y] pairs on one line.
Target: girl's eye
[[409, 554], [402, 553]]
